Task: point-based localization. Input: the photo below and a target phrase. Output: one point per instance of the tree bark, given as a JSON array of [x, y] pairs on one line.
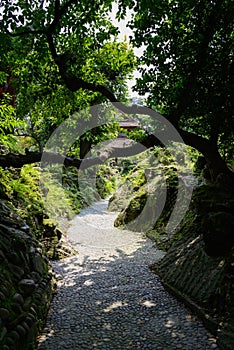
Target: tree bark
[[215, 163], [19, 160], [85, 147]]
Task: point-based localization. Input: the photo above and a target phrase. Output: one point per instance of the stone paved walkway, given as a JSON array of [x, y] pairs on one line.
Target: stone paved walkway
[[107, 298]]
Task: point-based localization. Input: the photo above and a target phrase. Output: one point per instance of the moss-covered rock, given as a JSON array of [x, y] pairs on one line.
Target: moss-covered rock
[[135, 206], [132, 183], [107, 180], [146, 203]]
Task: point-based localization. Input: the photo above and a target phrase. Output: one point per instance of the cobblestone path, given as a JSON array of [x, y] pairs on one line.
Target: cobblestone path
[[107, 298]]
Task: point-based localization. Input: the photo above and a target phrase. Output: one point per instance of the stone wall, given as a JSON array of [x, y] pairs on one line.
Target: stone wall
[[198, 266], [26, 283]]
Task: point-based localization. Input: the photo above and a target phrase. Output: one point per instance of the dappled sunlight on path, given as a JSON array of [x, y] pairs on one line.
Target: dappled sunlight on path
[[107, 298]]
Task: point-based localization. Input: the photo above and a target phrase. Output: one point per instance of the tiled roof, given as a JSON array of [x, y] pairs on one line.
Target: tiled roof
[[128, 122], [119, 143]]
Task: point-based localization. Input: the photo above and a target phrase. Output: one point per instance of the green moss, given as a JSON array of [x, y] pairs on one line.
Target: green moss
[[133, 210], [127, 190], [107, 180], [136, 179]]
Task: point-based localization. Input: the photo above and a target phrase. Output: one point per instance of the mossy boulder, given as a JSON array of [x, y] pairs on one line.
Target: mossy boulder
[[126, 217], [146, 205], [132, 183]]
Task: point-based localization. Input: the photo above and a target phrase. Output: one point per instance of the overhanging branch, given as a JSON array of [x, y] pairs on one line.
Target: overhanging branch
[[27, 32], [19, 160], [211, 154]]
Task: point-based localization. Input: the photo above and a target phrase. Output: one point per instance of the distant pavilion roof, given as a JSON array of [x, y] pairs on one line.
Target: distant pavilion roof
[[119, 143], [128, 123]]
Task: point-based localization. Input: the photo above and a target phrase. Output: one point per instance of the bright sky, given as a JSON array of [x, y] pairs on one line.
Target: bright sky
[[124, 34]]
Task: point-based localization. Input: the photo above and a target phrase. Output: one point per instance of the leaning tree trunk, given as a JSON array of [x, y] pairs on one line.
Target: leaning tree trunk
[[85, 147], [217, 166], [218, 169]]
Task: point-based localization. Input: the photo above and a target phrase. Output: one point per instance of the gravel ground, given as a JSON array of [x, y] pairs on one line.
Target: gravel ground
[[107, 298]]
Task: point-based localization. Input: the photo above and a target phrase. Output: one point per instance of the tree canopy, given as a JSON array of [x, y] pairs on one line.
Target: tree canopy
[[52, 51], [187, 66], [62, 55], [189, 49]]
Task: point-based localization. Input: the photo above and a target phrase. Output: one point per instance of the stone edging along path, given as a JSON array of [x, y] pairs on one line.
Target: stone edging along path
[[107, 297]]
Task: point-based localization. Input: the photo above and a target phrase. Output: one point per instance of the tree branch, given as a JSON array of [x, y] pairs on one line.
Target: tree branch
[[27, 32], [216, 164], [72, 83], [56, 8], [53, 51], [210, 151], [58, 14], [19, 160]]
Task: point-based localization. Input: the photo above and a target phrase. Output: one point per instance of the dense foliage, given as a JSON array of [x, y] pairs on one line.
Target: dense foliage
[[187, 68], [62, 56], [46, 44]]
